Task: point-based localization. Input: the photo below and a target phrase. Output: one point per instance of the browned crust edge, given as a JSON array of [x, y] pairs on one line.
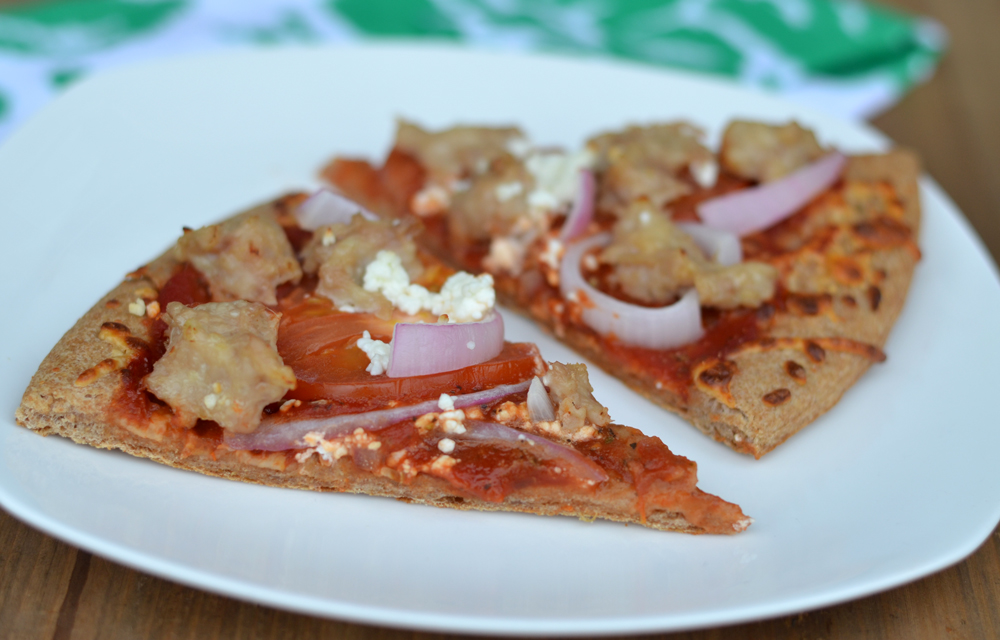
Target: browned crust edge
[[54, 404]]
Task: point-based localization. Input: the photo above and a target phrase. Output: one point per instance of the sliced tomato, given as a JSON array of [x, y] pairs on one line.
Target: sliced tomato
[[341, 377]]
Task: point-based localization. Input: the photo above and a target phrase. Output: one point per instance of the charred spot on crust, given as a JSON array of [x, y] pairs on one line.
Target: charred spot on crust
[[874, 297], [815, 352], [112, 303], [805, 305], [850, 301], [778, 396], [765, 312], [115, 327], [719, 374], [796, 371]]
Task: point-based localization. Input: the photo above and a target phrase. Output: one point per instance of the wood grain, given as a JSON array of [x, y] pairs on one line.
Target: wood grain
[[50, 590]]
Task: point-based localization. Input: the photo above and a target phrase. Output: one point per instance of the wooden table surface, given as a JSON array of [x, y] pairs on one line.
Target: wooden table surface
[[51, 590]]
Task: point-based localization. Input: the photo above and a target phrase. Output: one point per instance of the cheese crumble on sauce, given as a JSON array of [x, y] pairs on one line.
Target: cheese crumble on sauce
[[463, 298]]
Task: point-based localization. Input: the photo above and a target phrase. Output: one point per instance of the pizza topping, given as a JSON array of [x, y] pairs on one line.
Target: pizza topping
[[325, 207], [582, 211], [747, 284], [539, 402], [378, 352], [719, 246], [342, 265], [756, 208], [570, 391], [221, 364], [463, 297], [420, 349], [279, 433], [243, 258], [556, 178], [456, 153], [494, 203], [647, 162], [568, 459], [653, 328], [765, 153]]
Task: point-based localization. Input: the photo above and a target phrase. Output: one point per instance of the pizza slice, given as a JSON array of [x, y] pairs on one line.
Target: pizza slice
[[745, 289], [308, 343]]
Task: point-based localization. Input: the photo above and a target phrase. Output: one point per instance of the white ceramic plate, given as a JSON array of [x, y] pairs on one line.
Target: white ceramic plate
[[898, 481]]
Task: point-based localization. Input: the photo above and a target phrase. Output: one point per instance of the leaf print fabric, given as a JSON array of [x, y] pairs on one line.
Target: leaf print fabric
[[847, 57]]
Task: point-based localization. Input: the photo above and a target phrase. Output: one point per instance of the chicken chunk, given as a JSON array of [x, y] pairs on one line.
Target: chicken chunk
[[456, 153], [654, 261], [646, 162], [221, 364], [763, 152], [747, 284], [244, 258], [340, 253], [573, 397]]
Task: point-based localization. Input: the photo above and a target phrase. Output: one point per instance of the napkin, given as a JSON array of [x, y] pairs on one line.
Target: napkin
[[846, 57]]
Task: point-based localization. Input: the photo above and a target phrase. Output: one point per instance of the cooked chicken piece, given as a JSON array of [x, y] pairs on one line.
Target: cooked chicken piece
[[492, 204], [456, 153], [243, 258], [646, 162], [340, 253], [763, 152], [221, 364], [747, 284], [573, 397], [654, 262]]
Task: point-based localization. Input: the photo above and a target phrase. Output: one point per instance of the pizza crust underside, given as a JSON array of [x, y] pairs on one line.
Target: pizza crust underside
[[53, 404]]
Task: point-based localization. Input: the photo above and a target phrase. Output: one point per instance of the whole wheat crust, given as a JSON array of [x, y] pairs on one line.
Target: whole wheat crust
[[72, 395], [748, 423]]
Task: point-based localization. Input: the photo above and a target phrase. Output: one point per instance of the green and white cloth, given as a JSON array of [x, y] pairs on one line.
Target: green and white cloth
[[843, 56]]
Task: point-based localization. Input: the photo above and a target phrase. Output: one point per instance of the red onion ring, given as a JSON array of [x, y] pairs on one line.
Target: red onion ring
[[278, 433], [653, 328], [326, 207], [570, 460], [721, 246], [749, 210], [539, 404], [582, 211], [420, 349]]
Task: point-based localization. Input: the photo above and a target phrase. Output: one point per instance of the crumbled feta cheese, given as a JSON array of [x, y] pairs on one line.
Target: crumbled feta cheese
[[442, 464], [506, 254], [552, 254], [508, 190], [645, 217], [705, 173], [519, 147], [590, 262], [446, 445], [446, 402], [451, 421], [328, 237], [137, 308], [463, 298], [471, 345], [153, 309], [556, 177], [431, 200], [377, 351], [211, 400]]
